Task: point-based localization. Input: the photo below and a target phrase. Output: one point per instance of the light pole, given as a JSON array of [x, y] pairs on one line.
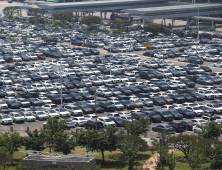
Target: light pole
[[198, 36], [110, 61], [95, 108], [61, 75]]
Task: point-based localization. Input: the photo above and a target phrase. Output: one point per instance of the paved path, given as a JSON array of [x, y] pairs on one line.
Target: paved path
[[151, 163]]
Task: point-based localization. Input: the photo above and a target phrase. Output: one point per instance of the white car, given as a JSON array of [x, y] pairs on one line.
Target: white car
[[16, 58], [63, 112], [199, 121], [5, 119], [197, 129], [52, 113], [29, 117], [80, 121], [107, 121], [218, 64], [90, 116], [45, 100]]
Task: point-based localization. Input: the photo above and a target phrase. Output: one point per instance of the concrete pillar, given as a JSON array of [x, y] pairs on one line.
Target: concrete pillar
[[213, 27], [196, 24], [172, 22], [105, 15], [143, 22], [92, 13], [81, 14], [164, 21], [101, 14], [129, 16], [20, 12], [188, 22]]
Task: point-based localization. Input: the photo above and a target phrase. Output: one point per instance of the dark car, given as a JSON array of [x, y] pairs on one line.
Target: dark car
[[127, 104], [92, 124], [188, 97], [76, 96], [207, 110], [186, 113], [67, 98], [117, 120], [138, 115], [195, 60], [107, 106], [77, 84], [35, 102], [176, 115], [178, 127], [153, 116], [197, 96], [97, 108], [13, 104], [68, 85], [56, 99], [165, 114], [53, 75], [158, 101], [94, 51], [134, 89], [206, 68], [163, 128], [144, 88], [86, 109], [177, 98], [163, 86], [187, 125], [188, 82], [168, 100], [87, 96], [125, 91]]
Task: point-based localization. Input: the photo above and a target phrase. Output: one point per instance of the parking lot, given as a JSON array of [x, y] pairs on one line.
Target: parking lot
[[126, 79]]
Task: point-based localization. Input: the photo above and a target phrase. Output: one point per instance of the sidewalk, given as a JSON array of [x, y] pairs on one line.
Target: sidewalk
[[151, 163]]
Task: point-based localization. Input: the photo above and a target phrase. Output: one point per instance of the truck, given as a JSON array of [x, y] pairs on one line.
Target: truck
[[58, 67]]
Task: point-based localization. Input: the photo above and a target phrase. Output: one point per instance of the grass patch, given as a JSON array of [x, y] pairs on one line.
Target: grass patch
[[182, 163]]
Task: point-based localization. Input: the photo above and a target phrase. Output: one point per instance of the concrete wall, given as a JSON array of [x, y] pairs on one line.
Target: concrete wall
[[38, 161]]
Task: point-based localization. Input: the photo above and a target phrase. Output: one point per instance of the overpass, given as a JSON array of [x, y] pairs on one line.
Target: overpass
[[173, 12]]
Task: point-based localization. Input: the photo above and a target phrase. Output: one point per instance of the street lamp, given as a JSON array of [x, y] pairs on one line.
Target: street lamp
[[95, 95], [60, 75], [198, 24]]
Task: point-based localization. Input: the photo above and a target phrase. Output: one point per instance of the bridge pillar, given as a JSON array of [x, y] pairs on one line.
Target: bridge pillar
[[188, 22], [105, 15], [92, 13], [129, 16], [213, 26], [101, 14], [172, 22], [20, 11]]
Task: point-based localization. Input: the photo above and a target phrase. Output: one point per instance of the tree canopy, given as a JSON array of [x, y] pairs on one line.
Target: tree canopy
[[11, 10], [89, 20], [211, 130], [35, 12], [101, 140], [155, 28], [63, 16]]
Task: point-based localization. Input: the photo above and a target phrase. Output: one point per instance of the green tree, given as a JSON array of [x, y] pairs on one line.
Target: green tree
[[11, 10], [35, 12], [101, 140], [129, 145], [10, 141], [171, 161], [63, 16], [34, 141], [136, 127], [211, 130], [5, 157], [65, 142], [216, 162], [88, 20], [162, 147], [155, 28], [184, 143], [51, 129], [195, 158]]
